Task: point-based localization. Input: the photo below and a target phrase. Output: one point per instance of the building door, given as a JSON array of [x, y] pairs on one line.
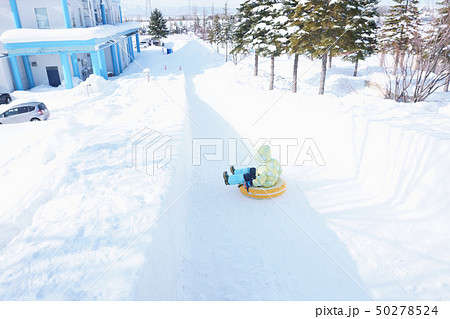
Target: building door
[[53, 76]]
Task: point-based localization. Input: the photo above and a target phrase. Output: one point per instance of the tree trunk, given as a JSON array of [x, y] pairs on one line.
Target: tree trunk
[[226, 52], [272, 72], [329, 60], [402, 60], [397, 59], [294, 78], [355, 73], [383, 57], [446, 83], [217, 48], [323, 73], [256, 65]]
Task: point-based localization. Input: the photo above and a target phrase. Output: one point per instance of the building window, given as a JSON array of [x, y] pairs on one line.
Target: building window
[[42, 18]]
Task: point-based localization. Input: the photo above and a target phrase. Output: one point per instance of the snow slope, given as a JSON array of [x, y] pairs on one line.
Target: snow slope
[[383, 190], [370, 224], [70, 203]]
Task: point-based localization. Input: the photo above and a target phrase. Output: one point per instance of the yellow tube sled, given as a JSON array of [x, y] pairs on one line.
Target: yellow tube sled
[[265, 192]]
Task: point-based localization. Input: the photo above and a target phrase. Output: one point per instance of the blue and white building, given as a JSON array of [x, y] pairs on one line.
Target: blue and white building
[[51, 41]]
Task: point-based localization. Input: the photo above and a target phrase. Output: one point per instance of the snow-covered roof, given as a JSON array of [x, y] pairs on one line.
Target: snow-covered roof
[[51, 41], [73, 34]]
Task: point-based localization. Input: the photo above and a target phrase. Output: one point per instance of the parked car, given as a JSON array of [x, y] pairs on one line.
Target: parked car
[[156, 42], [5, 98], [25, 112], [143, 43]]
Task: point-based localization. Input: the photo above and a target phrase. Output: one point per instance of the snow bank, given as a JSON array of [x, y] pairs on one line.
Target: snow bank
[[445, 110], [71, 205]]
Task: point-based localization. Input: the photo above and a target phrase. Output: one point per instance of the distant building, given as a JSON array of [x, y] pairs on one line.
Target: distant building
[[50, 41]]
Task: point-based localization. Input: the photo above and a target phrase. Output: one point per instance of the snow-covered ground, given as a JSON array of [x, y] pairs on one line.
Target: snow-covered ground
[[76, 222]]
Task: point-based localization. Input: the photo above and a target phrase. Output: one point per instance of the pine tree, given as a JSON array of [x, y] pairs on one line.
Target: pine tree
[[227, 29], [158, 25], [359, 41], [320, 27], [293, 29], [270, 34], [214, 36], [400, 32], [242, 37], [443, 20]]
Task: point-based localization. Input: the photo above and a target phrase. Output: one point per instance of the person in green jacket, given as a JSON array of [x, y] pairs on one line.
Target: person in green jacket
[[265, 175]]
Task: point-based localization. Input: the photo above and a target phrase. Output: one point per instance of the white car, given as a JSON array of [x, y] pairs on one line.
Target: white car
[[25, 112]]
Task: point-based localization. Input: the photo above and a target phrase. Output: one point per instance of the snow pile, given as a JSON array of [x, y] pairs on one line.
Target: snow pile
[[445, 110]]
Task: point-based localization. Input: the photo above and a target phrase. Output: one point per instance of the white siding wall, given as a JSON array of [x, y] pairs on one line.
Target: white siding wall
[[28, 17], [23, 75], [123, 53], [40, 71], [116, 14], [108, 58], [6, 22], [75, 8], [6, 79], [6, 17]]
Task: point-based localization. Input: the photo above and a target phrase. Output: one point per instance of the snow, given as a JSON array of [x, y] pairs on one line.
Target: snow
[[77, 222], [281, 19], [74, 34]]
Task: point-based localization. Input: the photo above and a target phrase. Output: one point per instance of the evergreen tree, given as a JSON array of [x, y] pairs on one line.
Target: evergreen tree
[[158, 25], [242, 37], [319, 28], [293, 29], [400, 32], [359, 41], [270, 33], [214, 36], [226, 29], [443, 19]]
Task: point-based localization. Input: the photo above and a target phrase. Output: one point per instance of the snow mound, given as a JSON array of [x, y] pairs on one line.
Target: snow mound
[[96, 84], [445, 110]]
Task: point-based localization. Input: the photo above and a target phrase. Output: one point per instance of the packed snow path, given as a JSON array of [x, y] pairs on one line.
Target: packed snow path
[[235, 248]]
